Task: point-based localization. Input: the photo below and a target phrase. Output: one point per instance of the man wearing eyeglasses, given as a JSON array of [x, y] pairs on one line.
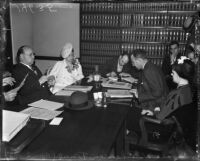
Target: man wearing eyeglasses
[[168, 61], [35, 84]]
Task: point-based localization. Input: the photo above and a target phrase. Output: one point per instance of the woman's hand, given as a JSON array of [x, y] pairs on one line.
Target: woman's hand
[[43, 79]]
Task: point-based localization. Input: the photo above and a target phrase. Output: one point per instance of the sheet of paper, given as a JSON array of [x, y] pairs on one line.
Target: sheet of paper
[[56, 121], [64, 93], [39, 113], [49, 105], [119, 94]]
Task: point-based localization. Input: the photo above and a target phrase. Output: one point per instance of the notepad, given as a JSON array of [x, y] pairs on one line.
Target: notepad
[[119, 94], [46, 104], [13, 122]]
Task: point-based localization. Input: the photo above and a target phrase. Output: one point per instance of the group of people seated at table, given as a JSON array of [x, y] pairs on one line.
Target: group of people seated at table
[[160, 91]]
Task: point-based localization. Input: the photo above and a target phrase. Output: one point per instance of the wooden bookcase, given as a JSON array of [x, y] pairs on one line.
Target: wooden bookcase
[[108, 29]]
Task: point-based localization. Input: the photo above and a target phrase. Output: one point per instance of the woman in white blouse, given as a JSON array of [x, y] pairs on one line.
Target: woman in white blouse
[[68, 71]]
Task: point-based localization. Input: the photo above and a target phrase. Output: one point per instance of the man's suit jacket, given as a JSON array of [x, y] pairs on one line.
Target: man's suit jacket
[[152, 88], [31, 90], [167, 70]]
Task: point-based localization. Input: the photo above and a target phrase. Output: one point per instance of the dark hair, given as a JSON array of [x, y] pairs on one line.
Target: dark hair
[[174, 43], [21, 51], [139, 53], [185, 70]]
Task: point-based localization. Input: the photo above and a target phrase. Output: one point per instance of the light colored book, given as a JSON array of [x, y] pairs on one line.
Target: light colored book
[[46, 104], [120, 85], [115, 93], [13, 122], [39, 113]]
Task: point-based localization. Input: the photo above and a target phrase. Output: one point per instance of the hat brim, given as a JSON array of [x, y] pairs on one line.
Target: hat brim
[[89, 106]]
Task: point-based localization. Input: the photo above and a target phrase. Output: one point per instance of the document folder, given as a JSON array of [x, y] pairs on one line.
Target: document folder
[[13, 122]]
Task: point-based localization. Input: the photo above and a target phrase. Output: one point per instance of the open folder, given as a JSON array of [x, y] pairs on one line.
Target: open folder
[[13, 122]]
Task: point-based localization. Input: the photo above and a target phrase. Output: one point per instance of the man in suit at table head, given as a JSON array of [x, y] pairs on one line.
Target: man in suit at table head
[[152, 87], [35, 85]]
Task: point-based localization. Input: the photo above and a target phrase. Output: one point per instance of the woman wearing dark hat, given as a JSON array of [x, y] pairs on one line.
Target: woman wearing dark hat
[[179, 102]]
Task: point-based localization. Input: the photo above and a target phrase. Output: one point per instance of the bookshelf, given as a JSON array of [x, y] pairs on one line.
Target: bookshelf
[[108, 29]]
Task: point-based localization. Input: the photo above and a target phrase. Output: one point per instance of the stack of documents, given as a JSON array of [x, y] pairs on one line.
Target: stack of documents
[[43, 109], [78, 88], [121, 85], [119, 93], [13, 122]]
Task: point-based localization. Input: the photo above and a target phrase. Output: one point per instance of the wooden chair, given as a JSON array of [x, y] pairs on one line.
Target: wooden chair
[[155, 136]]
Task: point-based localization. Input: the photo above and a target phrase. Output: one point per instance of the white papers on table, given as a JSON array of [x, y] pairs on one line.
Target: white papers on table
[[78, 88], [39, 113], [13, 122], [119, 93], [121, 85], [49, 105], [64, 93]]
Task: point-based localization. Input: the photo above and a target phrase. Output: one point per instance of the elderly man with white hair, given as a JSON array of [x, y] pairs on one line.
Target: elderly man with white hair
[[68, 71]]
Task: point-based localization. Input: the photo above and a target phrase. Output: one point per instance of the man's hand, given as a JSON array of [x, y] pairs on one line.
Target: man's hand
[[111, 74], [147, 112], [10, 95], [8, 81], [43, 79]]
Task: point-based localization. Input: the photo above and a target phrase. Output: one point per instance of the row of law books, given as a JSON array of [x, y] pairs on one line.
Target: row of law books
[[153, 50], [100, 46], [153, 19], [101, 34], [133, 34], [131, 6], [153, 35], [94, 59], [106, 53], [100, 20], [132, 19]]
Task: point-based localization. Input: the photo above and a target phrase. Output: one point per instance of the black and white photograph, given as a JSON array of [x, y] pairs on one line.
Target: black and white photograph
[[100, 80]]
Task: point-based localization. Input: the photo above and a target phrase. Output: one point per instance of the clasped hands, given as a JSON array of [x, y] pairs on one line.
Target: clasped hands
[[49, 79]]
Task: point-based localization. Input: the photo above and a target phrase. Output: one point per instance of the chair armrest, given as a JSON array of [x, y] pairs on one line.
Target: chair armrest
[[150, 119]]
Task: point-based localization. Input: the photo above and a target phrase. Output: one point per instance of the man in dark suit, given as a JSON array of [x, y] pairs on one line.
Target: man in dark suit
[[35, 86], [168, 61], [151, 89]]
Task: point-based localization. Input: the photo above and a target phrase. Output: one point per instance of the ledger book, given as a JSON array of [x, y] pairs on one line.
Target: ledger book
[[13, 122]]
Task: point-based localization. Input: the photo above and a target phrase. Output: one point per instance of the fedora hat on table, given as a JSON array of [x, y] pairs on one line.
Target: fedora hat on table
[[78, 101]]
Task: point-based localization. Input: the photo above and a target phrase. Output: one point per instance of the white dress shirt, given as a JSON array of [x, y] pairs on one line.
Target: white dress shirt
[[63, 77]]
